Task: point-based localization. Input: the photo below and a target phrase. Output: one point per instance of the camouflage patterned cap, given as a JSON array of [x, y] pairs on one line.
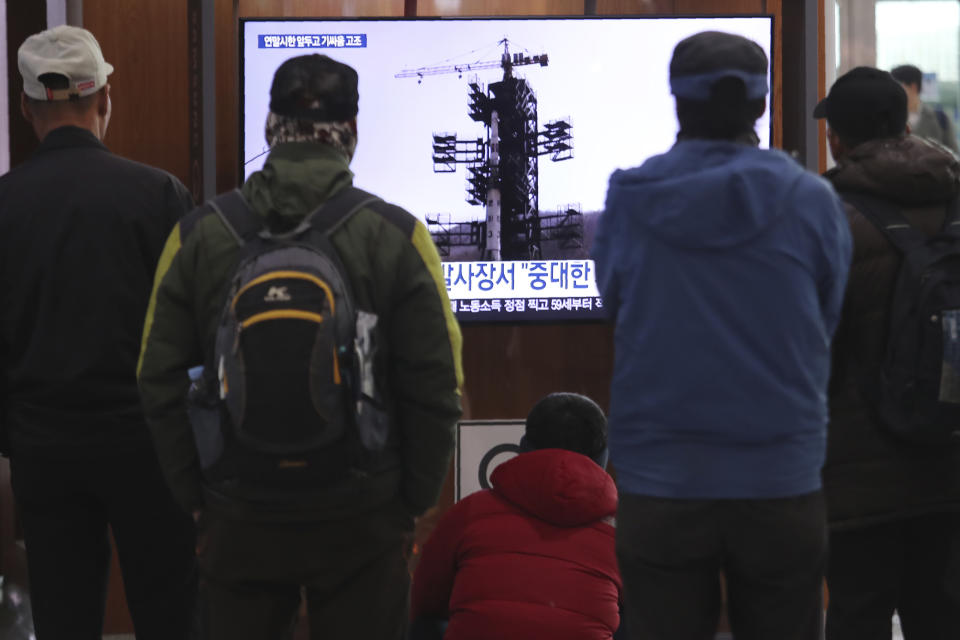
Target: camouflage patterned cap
[[315, 87]]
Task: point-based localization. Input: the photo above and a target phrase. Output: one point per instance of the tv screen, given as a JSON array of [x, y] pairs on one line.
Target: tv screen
[[498, 133]]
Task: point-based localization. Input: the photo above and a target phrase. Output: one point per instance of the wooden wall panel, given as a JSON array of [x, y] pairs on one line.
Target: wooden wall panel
[[775, 104], [149, 82], [319, 8], [720, 6], [509, 368], [499, 7], [635, 7], [228, 105], [793, 66]]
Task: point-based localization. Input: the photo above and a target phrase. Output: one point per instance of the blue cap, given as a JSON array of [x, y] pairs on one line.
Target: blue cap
[[701, 60], [698, 87]]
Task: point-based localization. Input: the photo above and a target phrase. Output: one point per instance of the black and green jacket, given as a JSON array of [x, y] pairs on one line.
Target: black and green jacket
[[394, 271]]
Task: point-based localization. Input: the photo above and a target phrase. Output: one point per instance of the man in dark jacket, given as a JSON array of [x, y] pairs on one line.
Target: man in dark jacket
[[81, 232], [893, 507], [533, 557], [346, 544], [925, 121], [724, 266]]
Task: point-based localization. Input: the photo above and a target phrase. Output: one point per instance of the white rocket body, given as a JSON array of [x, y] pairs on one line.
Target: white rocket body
[[493, 193]]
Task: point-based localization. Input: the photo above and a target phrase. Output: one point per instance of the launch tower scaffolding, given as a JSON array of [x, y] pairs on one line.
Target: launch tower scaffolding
[[503, 169]]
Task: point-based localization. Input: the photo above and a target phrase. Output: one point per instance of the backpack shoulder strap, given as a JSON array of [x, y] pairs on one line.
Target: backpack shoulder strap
[[951, 221], [338, 209], [887, 218], [236, 214]]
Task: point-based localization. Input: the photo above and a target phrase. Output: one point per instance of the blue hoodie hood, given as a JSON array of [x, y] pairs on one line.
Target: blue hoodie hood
[[677, 192], [724, 267]]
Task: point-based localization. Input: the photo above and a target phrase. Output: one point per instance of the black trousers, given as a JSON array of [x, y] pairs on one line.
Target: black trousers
[[67, 509], [771, 553], [910, 566], [353, 572]]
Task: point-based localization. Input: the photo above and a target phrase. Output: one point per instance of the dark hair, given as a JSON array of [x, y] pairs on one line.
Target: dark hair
[[57, 82], [727, 114], [851, 140], [567, 421], [908, 74]]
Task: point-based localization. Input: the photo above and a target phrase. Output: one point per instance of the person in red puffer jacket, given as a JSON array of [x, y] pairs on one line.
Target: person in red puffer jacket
[[534, 556]]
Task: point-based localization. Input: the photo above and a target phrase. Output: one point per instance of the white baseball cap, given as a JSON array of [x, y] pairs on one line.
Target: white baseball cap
[[69, 51]]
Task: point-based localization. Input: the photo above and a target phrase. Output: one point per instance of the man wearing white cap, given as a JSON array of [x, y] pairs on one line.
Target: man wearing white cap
[[81, 232]]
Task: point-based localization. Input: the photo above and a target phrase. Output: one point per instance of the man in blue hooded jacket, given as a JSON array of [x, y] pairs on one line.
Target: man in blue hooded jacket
[[724, 266]]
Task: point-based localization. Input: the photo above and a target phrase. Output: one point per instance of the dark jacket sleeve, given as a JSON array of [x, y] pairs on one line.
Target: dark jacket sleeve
[[170, 347], [425, 369], [839, 255], [179, 201]]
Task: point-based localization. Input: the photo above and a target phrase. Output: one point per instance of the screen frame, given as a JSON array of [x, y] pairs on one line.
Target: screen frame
[[775, 119]]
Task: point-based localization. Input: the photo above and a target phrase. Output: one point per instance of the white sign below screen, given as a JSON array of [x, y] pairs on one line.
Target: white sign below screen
[[481, 446]]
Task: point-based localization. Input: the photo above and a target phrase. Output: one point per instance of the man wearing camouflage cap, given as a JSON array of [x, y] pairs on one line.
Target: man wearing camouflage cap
[[342, 541], [724, 266], [81, 231]]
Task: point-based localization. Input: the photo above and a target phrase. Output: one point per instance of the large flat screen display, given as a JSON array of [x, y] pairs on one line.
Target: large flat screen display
[[500, 134]]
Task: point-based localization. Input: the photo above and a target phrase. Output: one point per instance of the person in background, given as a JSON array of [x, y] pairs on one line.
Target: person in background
[[81, 232], [893, 506], [924, 120], [533, 557], [723, 266]]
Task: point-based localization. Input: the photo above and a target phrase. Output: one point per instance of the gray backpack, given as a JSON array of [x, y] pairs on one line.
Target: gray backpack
[[287, 404]]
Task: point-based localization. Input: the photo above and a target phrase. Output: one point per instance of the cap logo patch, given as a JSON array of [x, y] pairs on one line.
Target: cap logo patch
[[89, 84]]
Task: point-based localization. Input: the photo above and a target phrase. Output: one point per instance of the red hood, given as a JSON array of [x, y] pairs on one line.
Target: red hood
[[564, 488]]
